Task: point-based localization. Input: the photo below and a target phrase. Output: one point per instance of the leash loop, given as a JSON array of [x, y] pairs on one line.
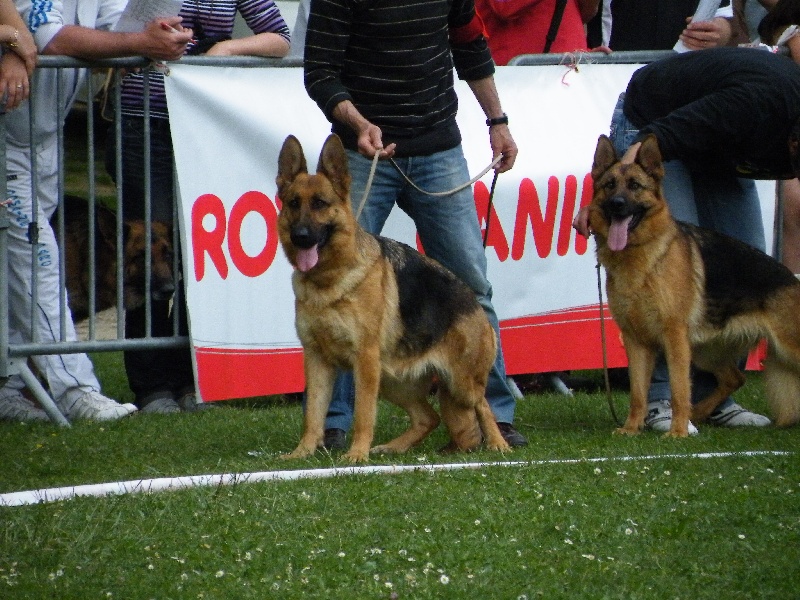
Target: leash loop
[[374, 166]]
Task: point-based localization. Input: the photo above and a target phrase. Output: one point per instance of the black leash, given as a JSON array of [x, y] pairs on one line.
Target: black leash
[[489, 210], [609, 397]]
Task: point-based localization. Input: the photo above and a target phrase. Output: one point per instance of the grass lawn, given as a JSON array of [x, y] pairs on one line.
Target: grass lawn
[[655, 520]]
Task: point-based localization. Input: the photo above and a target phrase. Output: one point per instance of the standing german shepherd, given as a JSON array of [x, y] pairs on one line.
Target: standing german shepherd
[[398, 319], [699, 296]]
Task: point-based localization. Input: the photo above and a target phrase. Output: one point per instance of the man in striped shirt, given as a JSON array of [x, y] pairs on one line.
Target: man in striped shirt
[[382, 72]]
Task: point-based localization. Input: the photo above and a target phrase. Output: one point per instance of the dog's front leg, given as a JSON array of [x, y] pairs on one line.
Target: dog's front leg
[[320, 377], [641, 361], [678, 353], [367, 375]]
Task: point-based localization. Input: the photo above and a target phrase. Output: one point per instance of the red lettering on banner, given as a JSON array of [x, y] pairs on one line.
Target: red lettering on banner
[[529, 211], [496, 238], [252, 202], [565, 227], [205, 242]]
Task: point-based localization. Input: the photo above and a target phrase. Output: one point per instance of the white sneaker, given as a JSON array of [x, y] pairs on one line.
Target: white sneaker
[[659, 417], [16, 407], [737, 416], [94, 406]]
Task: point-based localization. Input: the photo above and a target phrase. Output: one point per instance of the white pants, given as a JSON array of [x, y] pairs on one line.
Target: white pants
[[66, 374]]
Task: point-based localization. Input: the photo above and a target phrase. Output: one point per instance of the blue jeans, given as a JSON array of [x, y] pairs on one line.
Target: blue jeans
[[726, 204], [449, 231]]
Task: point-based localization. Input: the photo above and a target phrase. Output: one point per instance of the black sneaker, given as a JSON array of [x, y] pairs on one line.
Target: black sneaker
[[335, 439], [514, 438]]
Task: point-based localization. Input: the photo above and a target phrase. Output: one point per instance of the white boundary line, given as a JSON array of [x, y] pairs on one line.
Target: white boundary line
[[177, 483]]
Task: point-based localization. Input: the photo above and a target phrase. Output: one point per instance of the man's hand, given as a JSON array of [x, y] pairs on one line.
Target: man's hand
[[713, 33], [370, 136], [503, 145], [165, 39]]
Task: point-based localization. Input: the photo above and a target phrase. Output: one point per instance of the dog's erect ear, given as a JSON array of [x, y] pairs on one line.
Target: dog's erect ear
[[649, 158], [333, 164], [291, 162], [604, 156]]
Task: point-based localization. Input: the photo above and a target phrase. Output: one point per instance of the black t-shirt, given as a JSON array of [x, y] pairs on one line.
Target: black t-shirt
[[722, 109]]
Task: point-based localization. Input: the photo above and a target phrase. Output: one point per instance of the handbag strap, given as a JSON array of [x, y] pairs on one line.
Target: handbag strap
[[555, 23]]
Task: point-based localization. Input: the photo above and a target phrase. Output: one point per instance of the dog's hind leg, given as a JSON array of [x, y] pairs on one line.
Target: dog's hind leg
[[729, 379], [641, 361], [460, 419], [413, 398], [782, 385], [494, 440]]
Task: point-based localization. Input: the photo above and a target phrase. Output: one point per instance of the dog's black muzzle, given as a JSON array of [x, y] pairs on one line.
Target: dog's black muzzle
[[619, 207], [306, 237]]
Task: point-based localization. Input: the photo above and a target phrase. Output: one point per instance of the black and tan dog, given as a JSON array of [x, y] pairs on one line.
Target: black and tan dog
[[399, 320], [699, 296], [77, 258]]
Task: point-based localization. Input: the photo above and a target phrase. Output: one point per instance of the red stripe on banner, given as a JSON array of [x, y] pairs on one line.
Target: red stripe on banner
[[560, 341], [555, 341], [225, 374]]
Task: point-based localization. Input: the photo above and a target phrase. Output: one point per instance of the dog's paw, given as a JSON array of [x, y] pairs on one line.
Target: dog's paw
[[355, 457], [676, 434], [503, 447], [299, 452]]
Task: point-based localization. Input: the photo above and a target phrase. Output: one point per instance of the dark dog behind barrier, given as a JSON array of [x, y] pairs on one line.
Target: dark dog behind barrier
[[77, 258]]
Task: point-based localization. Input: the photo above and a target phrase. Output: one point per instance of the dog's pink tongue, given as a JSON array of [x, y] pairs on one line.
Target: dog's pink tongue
[[306, 259], [618, 234]]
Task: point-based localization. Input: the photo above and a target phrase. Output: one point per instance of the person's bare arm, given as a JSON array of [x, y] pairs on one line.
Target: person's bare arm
[[262, 44], [155, 41], [370, 136], [500, 138], [14, 33]]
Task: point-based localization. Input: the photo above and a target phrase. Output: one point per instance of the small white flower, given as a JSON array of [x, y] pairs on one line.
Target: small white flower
[[628, 531], [219, 574], [444, 579], [741, 536]]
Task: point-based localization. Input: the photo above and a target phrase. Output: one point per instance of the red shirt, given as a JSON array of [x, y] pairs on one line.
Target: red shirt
[[520, 27]]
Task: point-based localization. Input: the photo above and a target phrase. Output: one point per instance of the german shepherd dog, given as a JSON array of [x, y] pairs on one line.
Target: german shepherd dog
[[398, 319], [76, 258], [699, 296]]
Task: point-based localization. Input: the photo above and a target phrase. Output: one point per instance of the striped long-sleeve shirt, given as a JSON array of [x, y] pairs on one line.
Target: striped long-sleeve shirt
[[394, 60], [213, 18]]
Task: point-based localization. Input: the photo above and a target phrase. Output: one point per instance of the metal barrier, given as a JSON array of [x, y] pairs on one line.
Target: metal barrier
[[14, 356]]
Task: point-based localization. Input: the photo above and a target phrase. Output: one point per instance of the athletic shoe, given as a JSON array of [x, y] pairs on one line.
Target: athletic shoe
[[93, 406], [659, 417], [189, 402], [514, 438], [335, 439], [737, 416], [160, 404], [16, 407]]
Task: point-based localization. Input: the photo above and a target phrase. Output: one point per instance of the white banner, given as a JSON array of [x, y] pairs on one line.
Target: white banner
[[228, 125]]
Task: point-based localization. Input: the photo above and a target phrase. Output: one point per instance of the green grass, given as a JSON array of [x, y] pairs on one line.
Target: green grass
[[658, 527]]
